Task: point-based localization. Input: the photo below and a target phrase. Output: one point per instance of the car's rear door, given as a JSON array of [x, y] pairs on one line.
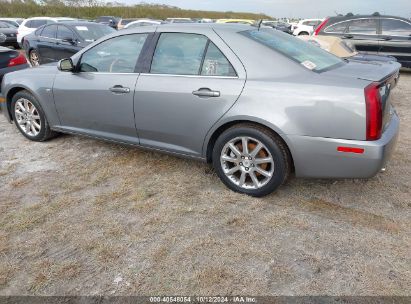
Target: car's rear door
[[362, 33], [98, 98], [194, 78], [46, 42], [395, 39]]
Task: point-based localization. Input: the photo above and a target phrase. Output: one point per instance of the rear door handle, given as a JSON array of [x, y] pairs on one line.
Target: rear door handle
[[206, 92], [119, 89]]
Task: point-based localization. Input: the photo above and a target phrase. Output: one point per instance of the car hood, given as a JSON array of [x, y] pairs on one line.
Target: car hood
[[366, 70], [8, 31]]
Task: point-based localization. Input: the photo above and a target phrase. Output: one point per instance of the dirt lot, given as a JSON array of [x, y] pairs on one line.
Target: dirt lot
[[81, 216]]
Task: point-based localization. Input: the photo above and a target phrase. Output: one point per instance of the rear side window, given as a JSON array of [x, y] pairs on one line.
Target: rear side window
[[395, 27], [337, 28], [179, 53], [116, 55], [306, 54], [215, 63], [49, 31], [363, 26]]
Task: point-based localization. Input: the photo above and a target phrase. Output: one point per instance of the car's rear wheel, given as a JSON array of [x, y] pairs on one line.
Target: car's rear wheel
[[34, 58], [29, 117], [250, 159]]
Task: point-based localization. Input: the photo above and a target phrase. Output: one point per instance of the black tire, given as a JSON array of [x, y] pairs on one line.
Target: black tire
[[278, 150], [31, 54], [45, 132]]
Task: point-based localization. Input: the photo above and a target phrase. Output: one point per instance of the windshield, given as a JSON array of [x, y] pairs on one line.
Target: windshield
[[5, 25], [91, 32], [306, 54]]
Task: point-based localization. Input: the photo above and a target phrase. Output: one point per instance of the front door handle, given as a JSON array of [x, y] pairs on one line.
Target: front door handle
[[206, 92], [119, 89], [348, 36]]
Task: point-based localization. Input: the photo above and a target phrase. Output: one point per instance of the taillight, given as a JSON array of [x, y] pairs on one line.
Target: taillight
[[373, 111], [319, 28], [20, 59]]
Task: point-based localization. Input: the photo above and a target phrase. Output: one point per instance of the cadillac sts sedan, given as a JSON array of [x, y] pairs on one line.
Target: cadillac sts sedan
[[256, 103]]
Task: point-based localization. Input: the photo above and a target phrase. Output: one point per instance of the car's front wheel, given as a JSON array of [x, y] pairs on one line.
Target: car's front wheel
[[251, 159], [29, 117]]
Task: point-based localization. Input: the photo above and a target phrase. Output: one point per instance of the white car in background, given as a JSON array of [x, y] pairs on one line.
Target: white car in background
[[306, 26], [142, 22], [31, 24]]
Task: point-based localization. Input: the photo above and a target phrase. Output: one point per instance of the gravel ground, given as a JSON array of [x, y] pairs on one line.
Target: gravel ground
[[81, 216]]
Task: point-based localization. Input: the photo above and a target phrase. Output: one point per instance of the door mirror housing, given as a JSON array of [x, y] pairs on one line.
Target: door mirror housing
[[69, 40], [65, 65]]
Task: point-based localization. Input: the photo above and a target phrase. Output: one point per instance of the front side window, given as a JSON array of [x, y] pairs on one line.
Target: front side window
[[179, 54], [216, 64], [49, 31], [395, 27], [363, 26], [64, 32], [306, 54], [337, 28], [116, 55]]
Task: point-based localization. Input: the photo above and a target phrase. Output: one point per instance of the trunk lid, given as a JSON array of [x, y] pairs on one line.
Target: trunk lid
[[385, 74]]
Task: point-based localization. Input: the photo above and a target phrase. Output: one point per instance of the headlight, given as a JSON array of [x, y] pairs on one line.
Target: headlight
[[2, 37]]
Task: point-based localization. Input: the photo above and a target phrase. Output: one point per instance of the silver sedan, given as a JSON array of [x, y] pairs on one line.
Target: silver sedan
[[256, 103]]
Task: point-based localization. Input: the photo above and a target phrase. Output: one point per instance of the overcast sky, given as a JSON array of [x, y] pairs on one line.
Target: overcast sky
[[294, 8]]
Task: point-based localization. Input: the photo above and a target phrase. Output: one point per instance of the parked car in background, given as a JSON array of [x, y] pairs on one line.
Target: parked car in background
[[109, 20], [254, 119], [278, 25], [306, 26], [10, 61], [13, 21], [238, 21], [9, 33], [343, 49], [143, 22], [29, 25], [179, 20], [123, 22], [53, 42], [374, 34]]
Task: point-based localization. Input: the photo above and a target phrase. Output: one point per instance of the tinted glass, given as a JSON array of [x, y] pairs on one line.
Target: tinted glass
[[363, 26], [64, 33], [308, 55], [337, 28], [178, 53], [92, 32], [37, 23], [395, 27], [116, 55], [5, 25], [216, 64], [49, 31]]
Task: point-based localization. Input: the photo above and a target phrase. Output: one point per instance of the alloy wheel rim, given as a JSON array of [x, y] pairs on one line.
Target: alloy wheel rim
[[247, 162], [34, 58], [28, 117]]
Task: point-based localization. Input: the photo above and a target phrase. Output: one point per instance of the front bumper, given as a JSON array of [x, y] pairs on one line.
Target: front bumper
[[318, 157]]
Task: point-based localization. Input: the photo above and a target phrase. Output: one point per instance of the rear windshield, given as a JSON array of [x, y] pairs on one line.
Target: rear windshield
[[91, 32], [306, 54]]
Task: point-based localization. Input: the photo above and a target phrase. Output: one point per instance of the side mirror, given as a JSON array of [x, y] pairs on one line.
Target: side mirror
[[65, 65], [68, 40]]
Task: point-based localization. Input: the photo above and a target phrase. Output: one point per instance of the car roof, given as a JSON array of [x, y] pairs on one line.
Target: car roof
[[77, 23], [350, 17]]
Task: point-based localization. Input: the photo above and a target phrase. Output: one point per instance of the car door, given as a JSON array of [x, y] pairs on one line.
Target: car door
[[97, 99], [362, 33], [395, 39], [66, 43], [194, 78], [46, 42]]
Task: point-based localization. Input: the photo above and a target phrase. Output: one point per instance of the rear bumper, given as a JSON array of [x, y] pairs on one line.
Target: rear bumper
[[318, 157]]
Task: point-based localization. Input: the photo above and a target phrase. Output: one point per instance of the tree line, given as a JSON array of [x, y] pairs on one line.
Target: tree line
[[91, 9]]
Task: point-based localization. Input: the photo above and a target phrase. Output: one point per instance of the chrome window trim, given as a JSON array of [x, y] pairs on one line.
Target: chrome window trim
[[190, 76], [350, 20], [390, 18]]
